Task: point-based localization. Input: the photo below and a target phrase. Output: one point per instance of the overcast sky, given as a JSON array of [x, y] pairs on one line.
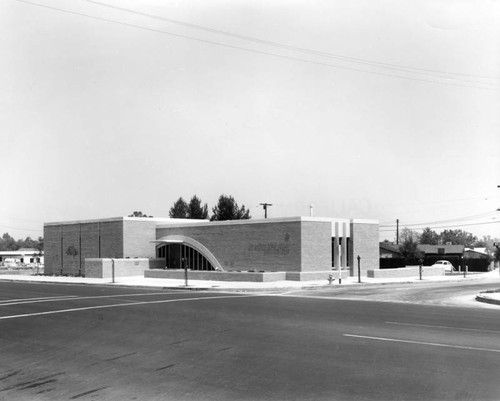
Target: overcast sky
[[367, 109]]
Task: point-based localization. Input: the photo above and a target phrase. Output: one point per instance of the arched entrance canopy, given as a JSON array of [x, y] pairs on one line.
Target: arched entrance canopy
[[182, 239]]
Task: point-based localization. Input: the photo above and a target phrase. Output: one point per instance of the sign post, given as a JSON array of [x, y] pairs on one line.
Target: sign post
[[359, 269], [337, 248]]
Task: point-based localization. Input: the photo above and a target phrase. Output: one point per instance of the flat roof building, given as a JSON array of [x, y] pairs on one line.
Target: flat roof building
[[295, 248]]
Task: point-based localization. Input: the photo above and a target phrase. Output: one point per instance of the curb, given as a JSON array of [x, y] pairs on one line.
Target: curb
[[216, 288], [483, 297], [172, 288]]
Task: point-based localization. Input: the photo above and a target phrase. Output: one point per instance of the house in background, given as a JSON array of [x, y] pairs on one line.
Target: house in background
[[451, 253], [479, 259], [389, 250], [476, 253], [21, 257]]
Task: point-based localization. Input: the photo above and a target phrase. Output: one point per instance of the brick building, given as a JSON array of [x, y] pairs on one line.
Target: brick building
[[296, 248]]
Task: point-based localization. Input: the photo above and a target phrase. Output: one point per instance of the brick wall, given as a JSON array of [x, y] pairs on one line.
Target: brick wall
[[71, 237], [364, 242], [102, 268], [217, 275], [316, 246], [414, 272], [90, 239], [111, 239], [137, 238], [89, 242], [52, 250], [273, 246]]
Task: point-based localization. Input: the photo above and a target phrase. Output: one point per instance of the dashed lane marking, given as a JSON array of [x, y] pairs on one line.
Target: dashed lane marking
[[40, 299], [442, 327], [76, 298], [422, 343], [122, 305]]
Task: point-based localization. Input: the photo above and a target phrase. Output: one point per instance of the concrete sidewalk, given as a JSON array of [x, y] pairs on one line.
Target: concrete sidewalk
[[201, 285]]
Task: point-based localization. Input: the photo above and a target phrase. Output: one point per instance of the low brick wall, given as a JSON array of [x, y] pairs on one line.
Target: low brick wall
[[102, 268], [254, 277], [313, 276], [406, 272]]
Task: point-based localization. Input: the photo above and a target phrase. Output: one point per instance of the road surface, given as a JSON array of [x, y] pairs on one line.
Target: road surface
[[70, 342]]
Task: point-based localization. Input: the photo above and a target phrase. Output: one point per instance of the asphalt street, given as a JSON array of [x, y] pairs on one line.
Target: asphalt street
[[66, 342], [425, 292]]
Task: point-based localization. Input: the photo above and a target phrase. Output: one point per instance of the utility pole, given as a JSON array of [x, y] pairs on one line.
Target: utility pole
[[397, 231], [265, 206]]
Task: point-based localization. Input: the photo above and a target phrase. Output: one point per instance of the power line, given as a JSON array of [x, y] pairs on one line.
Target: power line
[[446, 226], [477, 216], [21, 228], [8, 217], [478, 85], [398, 67]]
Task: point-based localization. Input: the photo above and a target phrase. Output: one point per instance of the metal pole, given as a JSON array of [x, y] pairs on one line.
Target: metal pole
[[337, 250], [185, 272], [359, 269], [397, 231], [420, 268], [112, 270], [343, 248]]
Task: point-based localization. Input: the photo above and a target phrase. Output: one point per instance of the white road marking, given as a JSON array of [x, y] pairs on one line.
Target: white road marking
[[3, 301], [75, 297], [442, 327], [121, 305], [422, 343], [291, 294]]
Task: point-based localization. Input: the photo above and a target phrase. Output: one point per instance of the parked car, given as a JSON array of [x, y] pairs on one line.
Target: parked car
[[448, 266]]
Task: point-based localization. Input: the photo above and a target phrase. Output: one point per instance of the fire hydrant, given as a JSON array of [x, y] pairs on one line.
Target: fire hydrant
[[330, 279]]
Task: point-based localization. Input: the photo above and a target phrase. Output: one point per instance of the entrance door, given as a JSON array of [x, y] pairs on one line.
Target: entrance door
[[174, 256]]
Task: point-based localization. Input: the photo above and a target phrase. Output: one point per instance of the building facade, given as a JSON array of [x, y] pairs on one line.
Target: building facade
[[302, 248]]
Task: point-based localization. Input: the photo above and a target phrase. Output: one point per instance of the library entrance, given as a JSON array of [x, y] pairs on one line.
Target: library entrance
[[180, 256]]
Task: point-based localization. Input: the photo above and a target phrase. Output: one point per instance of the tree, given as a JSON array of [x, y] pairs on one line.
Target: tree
[[496, 254], [179, 210], [72, 251], [195, 210], [429, 237], [40, 244], [228, 209], [409, 249], [27, 243], [138, 214], [406, 234], [7, 243], [457, 237]]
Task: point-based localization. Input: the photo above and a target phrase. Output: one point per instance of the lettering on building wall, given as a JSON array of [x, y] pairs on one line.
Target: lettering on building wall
[[272, 248]]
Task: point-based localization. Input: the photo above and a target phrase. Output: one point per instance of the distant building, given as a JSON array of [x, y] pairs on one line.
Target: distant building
[[451, 253], [389, 250], [476, 253], [21, 257]]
